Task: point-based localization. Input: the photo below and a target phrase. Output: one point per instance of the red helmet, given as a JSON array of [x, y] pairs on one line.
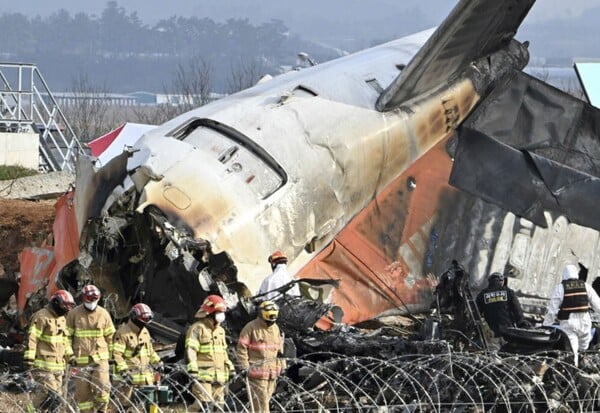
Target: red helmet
[[90, 293], [141, 312], [212, 304], [277, 257], [62, 300]]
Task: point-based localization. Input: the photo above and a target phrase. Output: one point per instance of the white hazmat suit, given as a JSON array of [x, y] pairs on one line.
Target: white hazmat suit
[[279, 277], [578, 326]]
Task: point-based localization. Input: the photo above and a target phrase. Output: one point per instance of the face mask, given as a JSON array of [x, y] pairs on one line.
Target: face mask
[[91, 306], [220, 317]]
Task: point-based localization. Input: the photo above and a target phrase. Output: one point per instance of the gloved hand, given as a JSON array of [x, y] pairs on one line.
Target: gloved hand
[[28, 364], [524, 324], [72, 360], [160, 367], [126, 377], [230, 366], [243, 371]]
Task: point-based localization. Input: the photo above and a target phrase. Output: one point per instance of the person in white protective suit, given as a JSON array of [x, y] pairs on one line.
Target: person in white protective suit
[[570, 302], [278, 278]]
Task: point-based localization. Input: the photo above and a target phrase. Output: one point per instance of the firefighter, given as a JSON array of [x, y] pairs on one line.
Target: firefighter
[[133, 352], [258, 348], [278, 278], [48, 350], [92, 331], [206, 354], [570, 302]]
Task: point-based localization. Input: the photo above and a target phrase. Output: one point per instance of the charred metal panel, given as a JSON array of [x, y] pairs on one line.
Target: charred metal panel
[[95, 185], [530, 115], [542, 144]]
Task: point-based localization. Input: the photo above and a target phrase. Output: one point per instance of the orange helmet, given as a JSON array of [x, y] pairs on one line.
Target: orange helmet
[[212, 304], [277, 257]]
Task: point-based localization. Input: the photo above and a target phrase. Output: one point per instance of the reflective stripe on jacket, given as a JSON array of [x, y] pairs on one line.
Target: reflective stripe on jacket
[[257, 350], [91, 334], [48, 345], [133, 352], [206, 352]]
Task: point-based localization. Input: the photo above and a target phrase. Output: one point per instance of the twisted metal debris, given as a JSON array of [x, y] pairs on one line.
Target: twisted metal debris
[[450, 382]]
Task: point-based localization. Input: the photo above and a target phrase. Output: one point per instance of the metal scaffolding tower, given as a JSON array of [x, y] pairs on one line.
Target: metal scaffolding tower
[[27, 105]]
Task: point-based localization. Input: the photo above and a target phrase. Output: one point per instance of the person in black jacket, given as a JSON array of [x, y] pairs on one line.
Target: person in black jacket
[[500, 306]]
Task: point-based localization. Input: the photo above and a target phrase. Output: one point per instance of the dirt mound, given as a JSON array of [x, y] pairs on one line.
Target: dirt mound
[[22, 224]]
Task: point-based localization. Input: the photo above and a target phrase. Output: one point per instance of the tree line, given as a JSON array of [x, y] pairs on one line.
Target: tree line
[[116, 48]]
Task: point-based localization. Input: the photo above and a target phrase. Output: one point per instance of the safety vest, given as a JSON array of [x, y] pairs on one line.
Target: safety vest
[[575, 298], [206, 352], [92, 334], [133, 352], [48, 344]]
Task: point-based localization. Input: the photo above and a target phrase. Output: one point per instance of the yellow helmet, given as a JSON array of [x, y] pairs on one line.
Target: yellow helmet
[[269, 311]]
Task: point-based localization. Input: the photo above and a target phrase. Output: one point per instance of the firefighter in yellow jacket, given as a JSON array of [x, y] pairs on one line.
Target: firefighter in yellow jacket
[[91, 330], [206, 353], [258, 348], [133, 352], [48, 350]]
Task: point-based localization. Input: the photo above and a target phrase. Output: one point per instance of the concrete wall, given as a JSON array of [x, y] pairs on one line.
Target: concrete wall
[[19, 149]]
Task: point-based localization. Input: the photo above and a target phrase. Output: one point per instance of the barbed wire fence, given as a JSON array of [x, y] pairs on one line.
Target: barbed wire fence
[[326, 382]]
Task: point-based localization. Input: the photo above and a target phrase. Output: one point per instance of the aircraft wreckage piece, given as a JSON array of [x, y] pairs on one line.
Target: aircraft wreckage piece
[[344, 166], [287, 164]]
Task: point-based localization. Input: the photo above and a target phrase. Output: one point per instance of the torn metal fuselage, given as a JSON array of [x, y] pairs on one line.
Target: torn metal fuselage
[[210, 194]]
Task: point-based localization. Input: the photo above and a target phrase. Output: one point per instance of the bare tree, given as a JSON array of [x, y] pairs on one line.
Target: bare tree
[[87, 110], [244, 74], [155, 114], [192, 83]]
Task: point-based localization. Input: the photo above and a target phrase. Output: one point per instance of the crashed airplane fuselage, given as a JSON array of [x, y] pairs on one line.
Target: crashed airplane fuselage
[[288, 163]]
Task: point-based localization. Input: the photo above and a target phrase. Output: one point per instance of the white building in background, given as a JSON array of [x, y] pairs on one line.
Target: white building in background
[[145, 98], [65, 99], [141, 98]]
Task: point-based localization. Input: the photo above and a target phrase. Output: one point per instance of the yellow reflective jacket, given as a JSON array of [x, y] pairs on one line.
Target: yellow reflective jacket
[[48, 345], [91, 334], [258, 348], [206, 352], [133, 352]]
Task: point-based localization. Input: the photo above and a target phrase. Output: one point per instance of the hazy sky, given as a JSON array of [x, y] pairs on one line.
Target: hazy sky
[[329, 22], [153, 10]]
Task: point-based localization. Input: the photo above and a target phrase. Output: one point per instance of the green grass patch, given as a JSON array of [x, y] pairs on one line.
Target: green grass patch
[[8, 172]]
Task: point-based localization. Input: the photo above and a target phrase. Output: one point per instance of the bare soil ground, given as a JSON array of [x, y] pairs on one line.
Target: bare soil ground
[[22, 224]]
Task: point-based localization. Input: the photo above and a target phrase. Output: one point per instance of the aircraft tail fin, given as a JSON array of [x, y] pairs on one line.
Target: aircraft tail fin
[[475, 28]]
